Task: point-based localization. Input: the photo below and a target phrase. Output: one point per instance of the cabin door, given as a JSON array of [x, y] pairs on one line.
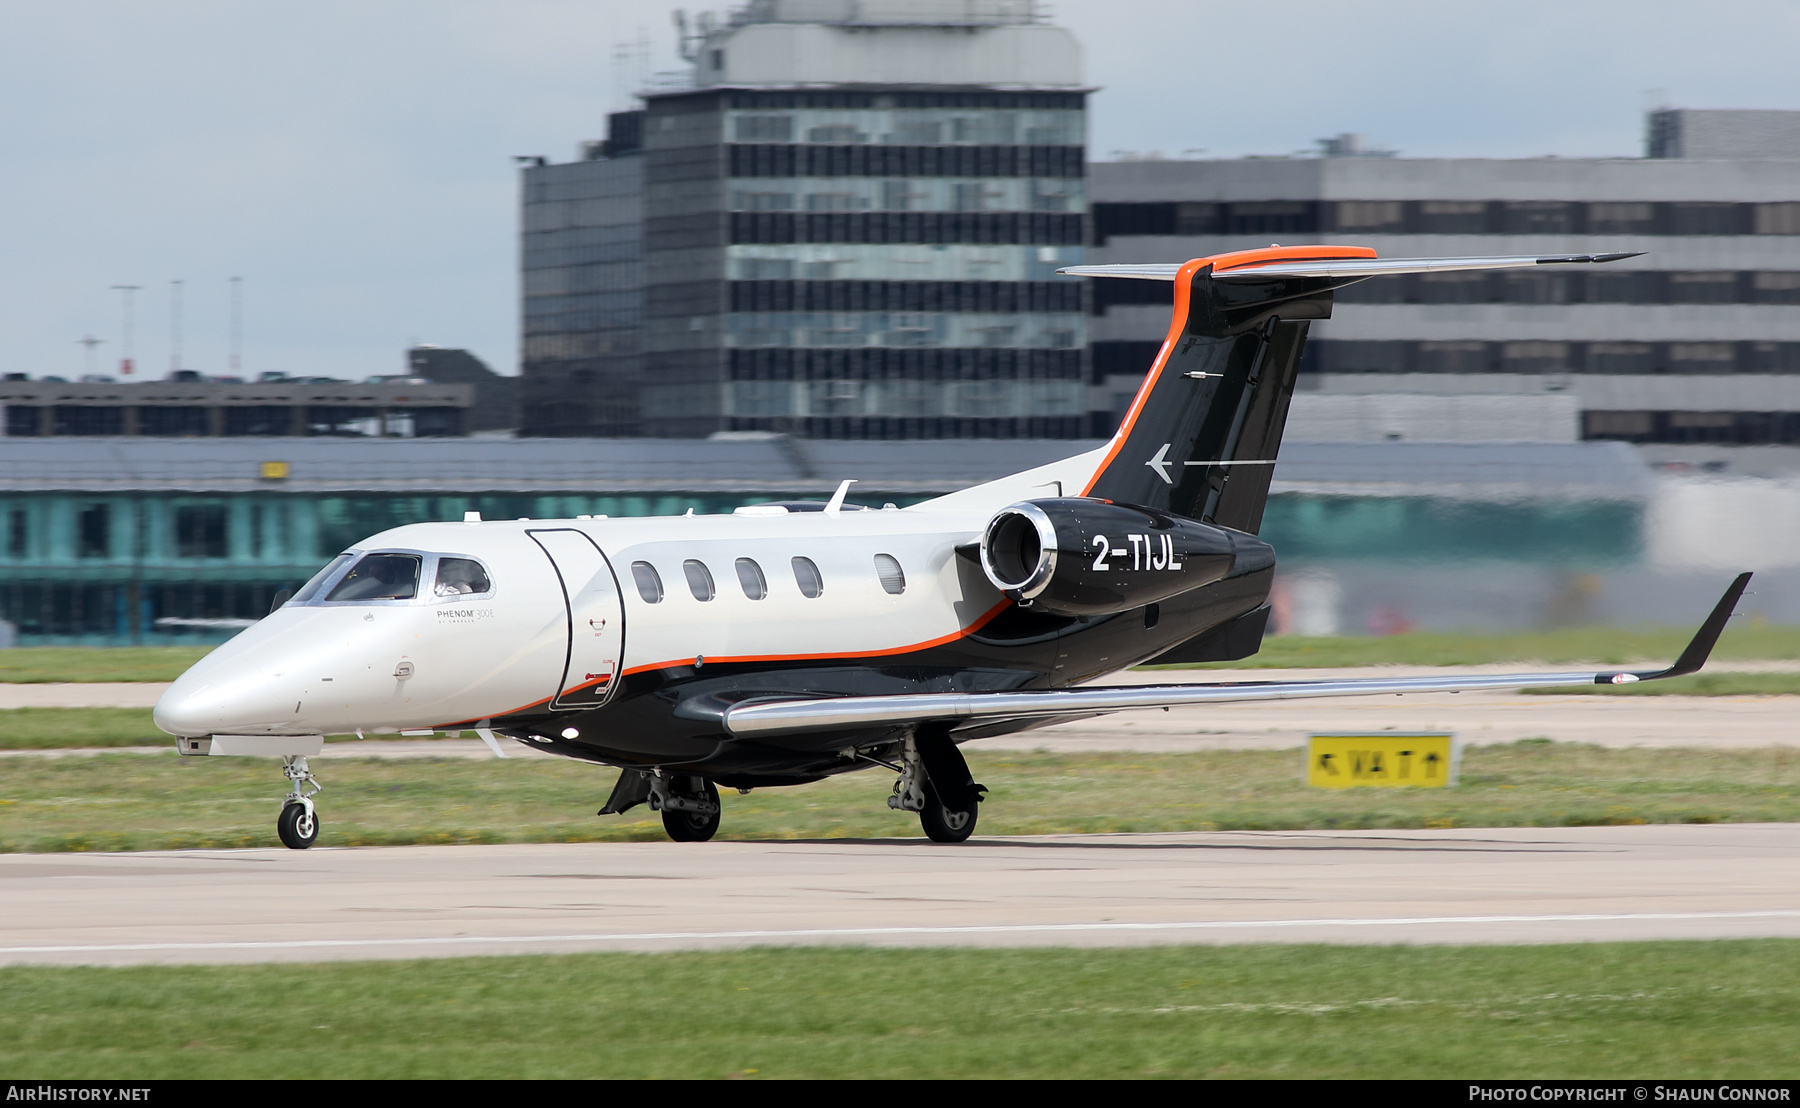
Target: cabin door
[[596, 618]]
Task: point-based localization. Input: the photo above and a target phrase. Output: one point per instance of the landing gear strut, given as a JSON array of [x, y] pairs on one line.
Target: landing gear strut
[[298, 824], [689, 806], [935, 782]]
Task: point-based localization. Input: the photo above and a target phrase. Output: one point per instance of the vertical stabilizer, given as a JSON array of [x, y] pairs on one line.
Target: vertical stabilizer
[[1201, 438]]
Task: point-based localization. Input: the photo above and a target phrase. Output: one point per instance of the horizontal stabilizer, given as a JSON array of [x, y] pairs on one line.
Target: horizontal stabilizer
[[1341, 267]]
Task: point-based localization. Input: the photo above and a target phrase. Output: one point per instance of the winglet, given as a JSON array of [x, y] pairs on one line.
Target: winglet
[[1699, 649]]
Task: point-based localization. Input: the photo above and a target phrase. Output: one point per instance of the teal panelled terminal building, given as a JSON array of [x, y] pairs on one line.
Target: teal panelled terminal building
[[143, 540]]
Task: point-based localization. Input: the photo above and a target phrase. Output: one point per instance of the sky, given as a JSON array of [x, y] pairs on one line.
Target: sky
[[351, 162]]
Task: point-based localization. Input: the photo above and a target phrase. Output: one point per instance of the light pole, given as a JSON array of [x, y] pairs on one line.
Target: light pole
[[237, 325], [125, 348], [175, 325], [90, 342]]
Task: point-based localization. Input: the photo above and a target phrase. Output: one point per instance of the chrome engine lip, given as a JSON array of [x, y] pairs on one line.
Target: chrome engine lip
[[1039, 578]]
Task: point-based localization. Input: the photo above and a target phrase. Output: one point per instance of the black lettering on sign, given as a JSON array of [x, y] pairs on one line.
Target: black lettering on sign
[[1326, 766], [1405, 765], [1431, 764]]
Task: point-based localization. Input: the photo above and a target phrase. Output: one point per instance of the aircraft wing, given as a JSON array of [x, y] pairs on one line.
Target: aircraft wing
[[792, 716], [1342, 267]]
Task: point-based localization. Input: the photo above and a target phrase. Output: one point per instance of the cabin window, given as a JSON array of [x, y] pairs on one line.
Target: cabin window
[[381, 577], [806, 575], [750, 576], [312, 587], [893, 578], [461, 577], [649, 582], [699, 579]]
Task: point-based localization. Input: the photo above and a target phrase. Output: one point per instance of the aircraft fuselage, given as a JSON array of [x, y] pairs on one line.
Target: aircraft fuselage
[[622, 640]]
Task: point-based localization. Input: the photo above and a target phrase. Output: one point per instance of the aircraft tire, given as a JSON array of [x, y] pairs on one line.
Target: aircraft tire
[[692, 827], [297, 827], [944, 824]]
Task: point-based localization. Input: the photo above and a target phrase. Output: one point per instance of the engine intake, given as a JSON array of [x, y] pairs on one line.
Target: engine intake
[[1076, 556]]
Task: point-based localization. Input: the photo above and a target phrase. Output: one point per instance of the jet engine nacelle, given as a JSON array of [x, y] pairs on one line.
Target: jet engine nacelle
[[1082, 557]]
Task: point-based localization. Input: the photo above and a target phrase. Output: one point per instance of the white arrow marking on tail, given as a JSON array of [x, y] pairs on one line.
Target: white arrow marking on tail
[[1160, 463]]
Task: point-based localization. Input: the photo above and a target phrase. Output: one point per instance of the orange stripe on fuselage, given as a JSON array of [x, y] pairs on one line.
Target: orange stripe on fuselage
[[984, 620], [1184, 287]]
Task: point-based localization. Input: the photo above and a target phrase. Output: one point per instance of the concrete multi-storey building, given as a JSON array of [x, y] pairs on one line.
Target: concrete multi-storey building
[[847, 225], [1696, 341]]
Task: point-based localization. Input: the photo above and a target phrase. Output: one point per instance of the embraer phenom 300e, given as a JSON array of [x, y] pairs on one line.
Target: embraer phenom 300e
[[785, 643]]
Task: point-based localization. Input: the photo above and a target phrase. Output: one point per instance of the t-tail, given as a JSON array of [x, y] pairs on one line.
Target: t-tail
[[1202, 436]]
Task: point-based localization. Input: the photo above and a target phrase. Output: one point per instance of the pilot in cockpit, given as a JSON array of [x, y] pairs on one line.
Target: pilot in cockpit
[[460, 577]]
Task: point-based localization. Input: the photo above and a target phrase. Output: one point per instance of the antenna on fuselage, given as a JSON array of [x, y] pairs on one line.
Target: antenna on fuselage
[[837, 498]]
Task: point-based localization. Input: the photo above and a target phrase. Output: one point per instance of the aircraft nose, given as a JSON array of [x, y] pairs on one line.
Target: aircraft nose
[[222, 700], [186, 709]]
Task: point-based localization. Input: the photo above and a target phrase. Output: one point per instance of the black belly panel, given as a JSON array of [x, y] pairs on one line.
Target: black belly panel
[[671, 716]]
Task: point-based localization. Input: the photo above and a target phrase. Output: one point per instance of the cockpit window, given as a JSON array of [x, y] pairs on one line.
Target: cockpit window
[[461, 577], [311, 588], [380, 577]]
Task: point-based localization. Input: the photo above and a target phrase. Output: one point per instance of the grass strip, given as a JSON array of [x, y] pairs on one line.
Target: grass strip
[[142, 802], [1699, 684], [1742, 641], [1594, 1010], [31, 665], [65, 728], [76, 728]]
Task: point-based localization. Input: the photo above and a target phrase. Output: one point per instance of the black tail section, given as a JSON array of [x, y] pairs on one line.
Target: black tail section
[[1201, 438]]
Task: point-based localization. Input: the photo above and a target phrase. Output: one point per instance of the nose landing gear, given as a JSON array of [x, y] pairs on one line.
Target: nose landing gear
[[298, 825]]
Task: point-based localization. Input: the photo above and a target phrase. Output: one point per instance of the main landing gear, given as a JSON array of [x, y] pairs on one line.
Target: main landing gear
[[935, 782], [689, 804], [298, 824]]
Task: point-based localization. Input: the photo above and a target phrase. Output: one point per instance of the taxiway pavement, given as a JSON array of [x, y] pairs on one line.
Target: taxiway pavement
[[1515, 885]]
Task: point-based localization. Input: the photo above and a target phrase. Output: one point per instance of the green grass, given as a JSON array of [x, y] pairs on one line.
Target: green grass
[[70, 728], [1619, 1010], [1699, 684], [1742, 641], [142, 802], [63, 728], [40, 664]]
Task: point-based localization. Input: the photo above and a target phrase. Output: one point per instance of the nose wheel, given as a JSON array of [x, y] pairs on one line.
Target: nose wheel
[[298, 824]]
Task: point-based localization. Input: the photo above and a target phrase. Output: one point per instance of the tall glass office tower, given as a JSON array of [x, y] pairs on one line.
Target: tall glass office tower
[[850, 225]]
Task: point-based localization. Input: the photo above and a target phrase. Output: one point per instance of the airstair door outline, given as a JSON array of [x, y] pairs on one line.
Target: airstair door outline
[[596, 643]]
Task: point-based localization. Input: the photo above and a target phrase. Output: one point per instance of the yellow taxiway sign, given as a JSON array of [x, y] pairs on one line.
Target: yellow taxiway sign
[[1388, 758]]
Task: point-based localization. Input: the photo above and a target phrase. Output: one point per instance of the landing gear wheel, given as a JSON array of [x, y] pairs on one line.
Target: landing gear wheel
[[298, 826], [694, 827], [945, 824]]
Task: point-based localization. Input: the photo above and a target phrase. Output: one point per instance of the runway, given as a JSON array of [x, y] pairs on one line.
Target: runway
[[1513, 885]]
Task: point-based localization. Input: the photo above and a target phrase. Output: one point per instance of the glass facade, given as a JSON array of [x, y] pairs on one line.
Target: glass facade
[[837, 263], [582, 296], [891, 263]]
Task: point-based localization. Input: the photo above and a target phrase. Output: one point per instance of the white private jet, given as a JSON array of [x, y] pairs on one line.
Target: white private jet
[[785, 643]]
